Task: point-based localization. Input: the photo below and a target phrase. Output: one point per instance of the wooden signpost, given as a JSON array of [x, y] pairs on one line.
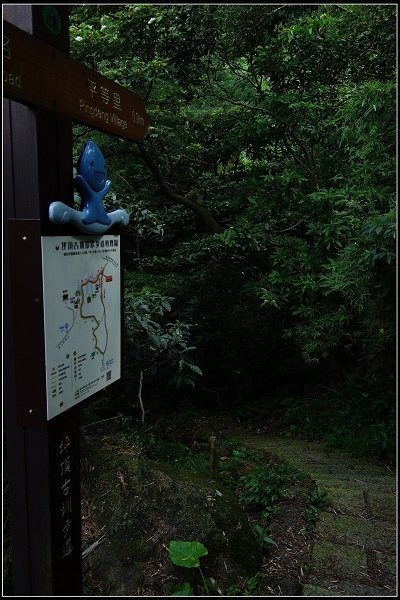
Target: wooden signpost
[[36, 72], [44, 90]]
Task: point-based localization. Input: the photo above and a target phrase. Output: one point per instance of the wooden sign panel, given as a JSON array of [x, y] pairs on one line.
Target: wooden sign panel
[[36, 73]]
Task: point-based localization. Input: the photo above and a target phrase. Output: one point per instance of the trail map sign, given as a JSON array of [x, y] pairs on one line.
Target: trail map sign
[[37, 73], [82, 317]]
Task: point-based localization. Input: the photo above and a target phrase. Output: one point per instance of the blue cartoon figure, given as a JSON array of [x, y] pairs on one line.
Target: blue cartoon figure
[[92, 185]]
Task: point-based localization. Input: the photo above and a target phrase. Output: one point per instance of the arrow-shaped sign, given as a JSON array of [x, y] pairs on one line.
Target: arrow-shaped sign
[[36, 73]]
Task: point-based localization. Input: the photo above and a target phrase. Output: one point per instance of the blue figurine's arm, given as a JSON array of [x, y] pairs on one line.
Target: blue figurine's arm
[[81, 186], [106, 188]]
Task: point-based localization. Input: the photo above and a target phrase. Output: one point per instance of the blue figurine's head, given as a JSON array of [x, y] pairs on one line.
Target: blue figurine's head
[[93, 167]]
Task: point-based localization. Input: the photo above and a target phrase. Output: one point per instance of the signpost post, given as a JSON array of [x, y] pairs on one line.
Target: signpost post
[[44, 89]]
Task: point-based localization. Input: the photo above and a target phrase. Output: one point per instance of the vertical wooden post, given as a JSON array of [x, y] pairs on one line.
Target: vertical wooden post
[[42, 458]]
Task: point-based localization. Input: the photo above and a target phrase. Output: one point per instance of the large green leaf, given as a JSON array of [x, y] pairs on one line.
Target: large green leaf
[[186, 554], [183, 589]]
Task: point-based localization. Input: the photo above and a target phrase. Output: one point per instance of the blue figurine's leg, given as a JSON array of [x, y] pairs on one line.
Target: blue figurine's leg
[[94, 212]]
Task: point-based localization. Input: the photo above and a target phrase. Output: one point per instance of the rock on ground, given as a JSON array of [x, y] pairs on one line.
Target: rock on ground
[[141, 506]]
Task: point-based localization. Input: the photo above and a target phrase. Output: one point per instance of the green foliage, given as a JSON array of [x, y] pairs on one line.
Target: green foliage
[[154, 447], [266, 485], [318, 498], [317, 501], [183, 589], [377, 439], [260, 488], [181, 457], [265, 541], [244, 587], [188, 554], [156, 342], [280, 122], [355, 418]]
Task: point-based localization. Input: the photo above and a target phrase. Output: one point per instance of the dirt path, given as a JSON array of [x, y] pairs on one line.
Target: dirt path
[[354, 552]]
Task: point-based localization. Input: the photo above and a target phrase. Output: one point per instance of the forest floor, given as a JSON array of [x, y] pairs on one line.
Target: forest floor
[[352, 547], [353, 550]]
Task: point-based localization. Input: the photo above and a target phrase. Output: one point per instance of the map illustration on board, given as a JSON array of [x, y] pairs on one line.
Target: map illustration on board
[[82, 316]]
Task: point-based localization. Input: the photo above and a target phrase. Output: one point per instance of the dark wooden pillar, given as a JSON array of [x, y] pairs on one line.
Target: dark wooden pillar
[[42, 457]]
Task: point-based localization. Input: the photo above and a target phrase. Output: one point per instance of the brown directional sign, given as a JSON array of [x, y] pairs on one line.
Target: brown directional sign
[[36, 73]]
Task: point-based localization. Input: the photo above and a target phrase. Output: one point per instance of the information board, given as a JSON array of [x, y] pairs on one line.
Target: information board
[[82, 317]]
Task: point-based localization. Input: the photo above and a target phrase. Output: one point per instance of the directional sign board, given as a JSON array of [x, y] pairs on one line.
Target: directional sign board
[[82, 317], [36, 73]]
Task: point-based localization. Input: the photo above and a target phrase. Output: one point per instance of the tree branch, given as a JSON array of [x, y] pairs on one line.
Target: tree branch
[[171, 164], [212, 225], [94, 546], [309, 164], [201, 212], [140, 396], [227, 96]]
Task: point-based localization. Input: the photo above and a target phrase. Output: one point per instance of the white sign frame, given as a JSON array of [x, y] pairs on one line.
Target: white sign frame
[[82, 317]]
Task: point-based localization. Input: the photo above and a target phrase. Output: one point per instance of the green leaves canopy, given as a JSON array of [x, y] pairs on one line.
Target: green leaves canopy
[[279, 123]]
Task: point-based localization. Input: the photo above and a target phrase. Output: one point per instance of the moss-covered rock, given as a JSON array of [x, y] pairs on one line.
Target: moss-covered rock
[[143, 505]]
